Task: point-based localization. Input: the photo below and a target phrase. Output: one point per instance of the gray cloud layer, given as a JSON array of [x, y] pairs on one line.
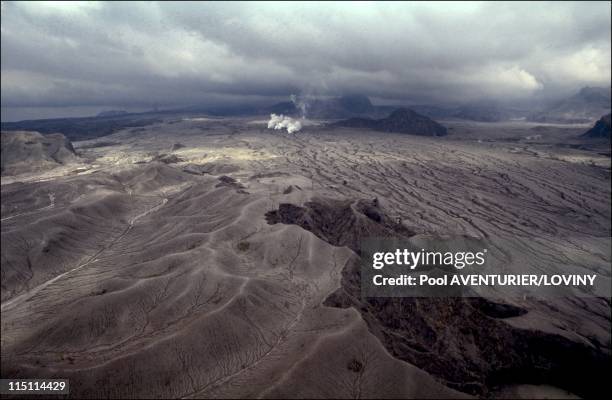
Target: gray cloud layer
[[138, 54]]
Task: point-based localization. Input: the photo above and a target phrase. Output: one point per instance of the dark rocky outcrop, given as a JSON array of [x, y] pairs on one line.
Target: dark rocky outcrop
[[402, 120], [464, 341], [467, 344], [340, 222], [228, 181], [601, 129]]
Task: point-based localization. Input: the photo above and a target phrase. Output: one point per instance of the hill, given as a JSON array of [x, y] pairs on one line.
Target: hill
[[601, 129], [402, 120], [30, 151], [585, 106]]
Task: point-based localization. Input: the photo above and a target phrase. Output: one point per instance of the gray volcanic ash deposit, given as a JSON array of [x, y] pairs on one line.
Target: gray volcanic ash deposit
[[24, 151]]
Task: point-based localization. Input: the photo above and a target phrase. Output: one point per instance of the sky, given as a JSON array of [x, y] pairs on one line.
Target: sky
[[78, 58]]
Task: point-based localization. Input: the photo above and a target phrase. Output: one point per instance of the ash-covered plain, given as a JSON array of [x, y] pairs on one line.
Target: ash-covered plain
[[212, 257]]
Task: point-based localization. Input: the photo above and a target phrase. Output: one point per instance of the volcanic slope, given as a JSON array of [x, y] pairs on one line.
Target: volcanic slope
[[145, 279], [24, 151], [601, 129], [402, 120]]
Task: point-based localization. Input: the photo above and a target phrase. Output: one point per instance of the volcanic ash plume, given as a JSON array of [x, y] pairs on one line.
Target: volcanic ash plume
[[281, 122]]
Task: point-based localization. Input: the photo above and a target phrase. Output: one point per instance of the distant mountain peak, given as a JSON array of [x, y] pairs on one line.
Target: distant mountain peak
[[401, 120], [587, 105], [595, 94]]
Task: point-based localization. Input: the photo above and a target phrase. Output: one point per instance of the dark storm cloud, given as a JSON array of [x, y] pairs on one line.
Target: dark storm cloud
[[114, 54]]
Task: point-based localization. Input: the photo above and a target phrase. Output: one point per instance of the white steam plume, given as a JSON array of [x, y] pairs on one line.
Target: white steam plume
[[278, 122], [300, 103]]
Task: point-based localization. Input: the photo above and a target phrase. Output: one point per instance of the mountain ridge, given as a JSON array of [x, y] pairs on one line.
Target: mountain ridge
[[402, 120]]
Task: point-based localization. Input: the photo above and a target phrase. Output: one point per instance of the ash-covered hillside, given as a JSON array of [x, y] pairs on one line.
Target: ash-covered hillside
[[24, 151]]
